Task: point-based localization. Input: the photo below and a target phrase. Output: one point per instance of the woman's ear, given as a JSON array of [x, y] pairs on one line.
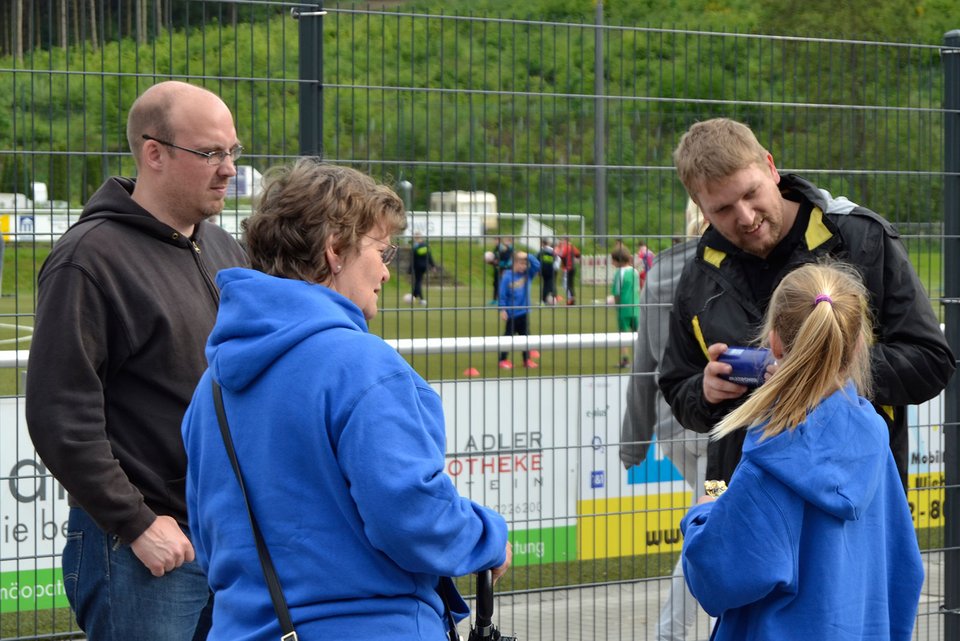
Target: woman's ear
[[334, 262], [776, 345]]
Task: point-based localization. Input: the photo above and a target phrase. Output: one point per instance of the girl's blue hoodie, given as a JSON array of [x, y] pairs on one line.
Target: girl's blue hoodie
[[814, 538], [341, 445]]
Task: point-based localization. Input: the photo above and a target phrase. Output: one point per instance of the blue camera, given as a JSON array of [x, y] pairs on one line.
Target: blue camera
[[749, 364]]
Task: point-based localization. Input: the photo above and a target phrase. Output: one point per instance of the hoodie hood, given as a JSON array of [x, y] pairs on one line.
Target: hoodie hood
[[113, 201], [822, 198], [838, 205], [262, 317], [834, 459]]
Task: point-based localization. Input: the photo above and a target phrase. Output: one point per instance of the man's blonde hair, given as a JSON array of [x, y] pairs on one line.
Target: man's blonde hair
[[713, 150], [820, 313]]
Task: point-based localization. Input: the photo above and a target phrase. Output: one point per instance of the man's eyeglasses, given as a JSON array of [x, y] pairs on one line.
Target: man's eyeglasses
[[212, 157], [389, 253]]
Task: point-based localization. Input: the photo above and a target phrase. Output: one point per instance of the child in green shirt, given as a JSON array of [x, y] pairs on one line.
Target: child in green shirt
[[626, 294]]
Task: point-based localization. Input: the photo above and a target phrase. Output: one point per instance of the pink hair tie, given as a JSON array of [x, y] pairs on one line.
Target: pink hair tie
[[821, 298]]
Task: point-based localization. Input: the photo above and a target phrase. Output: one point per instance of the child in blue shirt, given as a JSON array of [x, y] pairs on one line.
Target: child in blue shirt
[[515, 302]]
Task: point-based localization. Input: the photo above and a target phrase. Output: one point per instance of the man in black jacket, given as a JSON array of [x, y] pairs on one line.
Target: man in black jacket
[[763, 225], [126, 301]]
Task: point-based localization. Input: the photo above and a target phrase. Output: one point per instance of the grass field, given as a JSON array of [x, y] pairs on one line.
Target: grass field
[[457, 308]]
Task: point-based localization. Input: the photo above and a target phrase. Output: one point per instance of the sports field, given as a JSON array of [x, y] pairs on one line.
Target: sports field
[[458, 307]]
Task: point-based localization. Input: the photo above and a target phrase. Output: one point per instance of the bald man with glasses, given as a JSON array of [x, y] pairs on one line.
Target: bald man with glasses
[[126, 300]]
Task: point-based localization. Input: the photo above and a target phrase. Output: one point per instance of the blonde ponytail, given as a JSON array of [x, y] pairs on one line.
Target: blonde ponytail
[[820, 314]]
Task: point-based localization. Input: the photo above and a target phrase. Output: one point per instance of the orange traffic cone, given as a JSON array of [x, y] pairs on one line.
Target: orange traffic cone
[[471, 372]]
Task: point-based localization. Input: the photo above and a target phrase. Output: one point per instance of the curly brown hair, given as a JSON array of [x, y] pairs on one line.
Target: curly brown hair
[[306, 206]]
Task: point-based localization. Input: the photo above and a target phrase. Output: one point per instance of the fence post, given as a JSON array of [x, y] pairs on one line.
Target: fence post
[[311, 80], [599, 151], [951, 279]]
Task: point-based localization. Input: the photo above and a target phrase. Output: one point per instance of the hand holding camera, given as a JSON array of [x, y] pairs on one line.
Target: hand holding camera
[[732, 371], [749, 365]]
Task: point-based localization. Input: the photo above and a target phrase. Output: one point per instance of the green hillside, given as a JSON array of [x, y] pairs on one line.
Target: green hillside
[[510, 107]]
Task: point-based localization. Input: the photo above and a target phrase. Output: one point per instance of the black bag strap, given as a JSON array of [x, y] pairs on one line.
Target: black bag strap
[[269, 572], [443, 589]]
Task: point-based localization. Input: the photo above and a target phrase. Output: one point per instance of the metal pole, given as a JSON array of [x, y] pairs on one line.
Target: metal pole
[[951, 290], [311, 79], [405, 189], [600, 192]]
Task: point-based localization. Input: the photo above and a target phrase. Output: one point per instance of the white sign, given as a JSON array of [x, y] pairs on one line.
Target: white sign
[[41, 224], [444, 225], [247, 182], [596, 269], [33, 520], [602, 403], [508, 445]]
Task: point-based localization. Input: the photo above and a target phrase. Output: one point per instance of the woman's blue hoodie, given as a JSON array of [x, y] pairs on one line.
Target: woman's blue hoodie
[[341, 445], [814, 538]]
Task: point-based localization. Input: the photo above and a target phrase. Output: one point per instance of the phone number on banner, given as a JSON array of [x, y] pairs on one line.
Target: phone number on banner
[[926, 499]]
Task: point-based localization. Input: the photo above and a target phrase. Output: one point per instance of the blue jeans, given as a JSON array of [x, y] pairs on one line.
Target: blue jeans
[[115, 598]]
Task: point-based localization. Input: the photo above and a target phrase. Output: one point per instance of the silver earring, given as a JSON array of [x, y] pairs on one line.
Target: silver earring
[[338, 267]]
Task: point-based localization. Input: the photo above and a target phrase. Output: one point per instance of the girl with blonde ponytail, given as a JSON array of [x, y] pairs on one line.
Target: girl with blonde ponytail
[[819, 315], [814, 538]]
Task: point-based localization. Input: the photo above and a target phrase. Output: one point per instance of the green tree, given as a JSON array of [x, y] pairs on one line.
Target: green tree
[[16, 177], [894, 20], [92, 176], [58, 181]]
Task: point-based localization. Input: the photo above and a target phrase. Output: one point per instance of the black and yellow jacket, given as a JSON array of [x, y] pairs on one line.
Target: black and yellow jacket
[[911, 359]]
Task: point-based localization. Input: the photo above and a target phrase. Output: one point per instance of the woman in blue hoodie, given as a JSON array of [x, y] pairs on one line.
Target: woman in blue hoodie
[[814, 538], [340, 442]]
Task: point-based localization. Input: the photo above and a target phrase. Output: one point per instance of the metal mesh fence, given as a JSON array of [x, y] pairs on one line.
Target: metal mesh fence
[[488, 127]]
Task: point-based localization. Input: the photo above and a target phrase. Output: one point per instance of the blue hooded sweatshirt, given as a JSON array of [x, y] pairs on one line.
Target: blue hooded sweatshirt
[[814, 538], [341, 445]]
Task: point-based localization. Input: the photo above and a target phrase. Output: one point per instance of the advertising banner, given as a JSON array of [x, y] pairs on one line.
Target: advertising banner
[[623, 512], [925, 468], [511, 447], [33, 520], [541, 451]]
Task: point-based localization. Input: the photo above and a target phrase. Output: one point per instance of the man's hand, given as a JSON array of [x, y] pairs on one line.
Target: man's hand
[[771, 370], [500, 571], [716, 389], [163, 547], [503, 315]]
